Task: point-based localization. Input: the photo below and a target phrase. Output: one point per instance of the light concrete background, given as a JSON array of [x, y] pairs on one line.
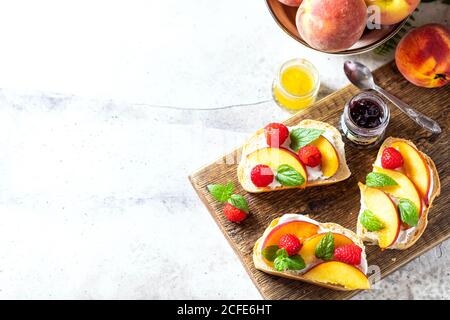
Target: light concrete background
[[105, 108]]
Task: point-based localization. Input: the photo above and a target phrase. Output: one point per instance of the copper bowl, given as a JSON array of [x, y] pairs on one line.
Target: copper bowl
[[285, 18]]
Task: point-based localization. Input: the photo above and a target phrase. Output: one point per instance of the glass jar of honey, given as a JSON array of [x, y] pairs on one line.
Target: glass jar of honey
[[296, 85], [365, 119]]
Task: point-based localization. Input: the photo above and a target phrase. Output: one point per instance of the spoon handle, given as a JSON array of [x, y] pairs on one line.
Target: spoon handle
[[421, 119]]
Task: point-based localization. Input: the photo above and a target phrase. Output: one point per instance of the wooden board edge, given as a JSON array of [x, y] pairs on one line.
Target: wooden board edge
[[200, 194], [346, 295], [403, 263], [223, 231], [418, 254]]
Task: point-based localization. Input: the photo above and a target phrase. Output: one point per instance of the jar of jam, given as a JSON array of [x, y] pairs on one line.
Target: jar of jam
[[365, 119]]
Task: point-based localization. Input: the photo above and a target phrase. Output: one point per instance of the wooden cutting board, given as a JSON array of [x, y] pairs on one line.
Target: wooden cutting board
[[338, 202]]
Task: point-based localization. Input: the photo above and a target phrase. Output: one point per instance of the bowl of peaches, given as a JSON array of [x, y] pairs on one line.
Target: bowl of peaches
[[341, 27]]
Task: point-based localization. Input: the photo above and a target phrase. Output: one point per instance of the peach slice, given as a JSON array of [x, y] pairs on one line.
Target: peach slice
[[340, 274], [308, 250], [274, 157], [416, 167], [405, 188], [330, 158], [384, 209], [301, 229]]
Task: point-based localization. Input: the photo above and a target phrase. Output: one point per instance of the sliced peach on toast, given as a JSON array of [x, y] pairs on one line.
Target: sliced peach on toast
[[330, 158], [385, 210], [301, 229], [416, 167], [405, 188], [308, 250], [274, 157], [339, 274]]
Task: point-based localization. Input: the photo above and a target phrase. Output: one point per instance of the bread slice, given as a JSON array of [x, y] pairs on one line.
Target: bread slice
[[370, 237], [260, 262], [342, 173]]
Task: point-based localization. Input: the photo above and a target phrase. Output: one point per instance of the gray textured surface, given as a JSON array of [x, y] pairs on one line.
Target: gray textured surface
[[94, 195], [426, 277]]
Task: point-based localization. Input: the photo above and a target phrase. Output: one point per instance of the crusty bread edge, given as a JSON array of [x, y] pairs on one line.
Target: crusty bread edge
[[342, 173], [423, 221], [262, 266]]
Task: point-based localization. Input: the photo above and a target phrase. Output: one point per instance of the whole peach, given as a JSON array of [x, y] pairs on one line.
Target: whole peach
[[331, 25], [423, 56], [393, 11], [291, 3]]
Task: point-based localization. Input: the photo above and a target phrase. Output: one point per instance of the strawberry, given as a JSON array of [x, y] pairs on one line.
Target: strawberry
[[261, 175], [276, 134], [349, 253], [291, 243], [391, 158], [234, 214], [310, 155]]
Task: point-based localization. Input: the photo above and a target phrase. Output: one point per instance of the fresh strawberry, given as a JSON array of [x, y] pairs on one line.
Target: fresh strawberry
[[261, 175], [391, 158], [291, 243], [349, 253], [310, 155], [276, 134], [234, 214]]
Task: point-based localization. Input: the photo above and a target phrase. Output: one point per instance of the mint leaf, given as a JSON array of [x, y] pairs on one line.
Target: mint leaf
[[282, 253], [288, 176], [270, 252], [301, 137], [408, 212], [239, 202], [283, 262], [370, 221], [296, 262], [221, 192], [325, 247], [376, 179]]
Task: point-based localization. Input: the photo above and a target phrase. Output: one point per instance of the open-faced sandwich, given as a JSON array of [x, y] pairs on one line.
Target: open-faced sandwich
[[279, 157], [397, 196], [326, 254]]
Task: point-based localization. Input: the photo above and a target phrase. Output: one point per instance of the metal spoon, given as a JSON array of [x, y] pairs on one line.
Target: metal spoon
[[360, 76]]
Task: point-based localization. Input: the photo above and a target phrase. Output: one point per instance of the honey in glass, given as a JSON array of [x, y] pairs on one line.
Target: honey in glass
[[296, 85]]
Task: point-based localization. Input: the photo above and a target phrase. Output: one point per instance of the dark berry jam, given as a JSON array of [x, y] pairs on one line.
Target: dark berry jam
[[365, 119], [366, 113]]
